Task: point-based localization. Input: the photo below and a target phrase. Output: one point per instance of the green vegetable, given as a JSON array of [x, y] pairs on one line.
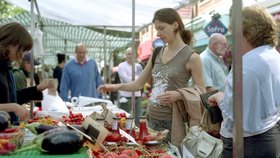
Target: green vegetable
[[32, 127]]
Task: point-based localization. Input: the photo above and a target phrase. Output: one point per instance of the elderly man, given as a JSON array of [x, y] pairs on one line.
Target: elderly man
[[214, 69], [80, 76]]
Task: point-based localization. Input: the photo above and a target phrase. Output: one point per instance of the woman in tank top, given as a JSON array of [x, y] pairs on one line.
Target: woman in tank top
[[174, 66]]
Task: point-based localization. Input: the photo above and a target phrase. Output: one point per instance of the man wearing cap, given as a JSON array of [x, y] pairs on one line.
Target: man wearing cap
[[21, 74]]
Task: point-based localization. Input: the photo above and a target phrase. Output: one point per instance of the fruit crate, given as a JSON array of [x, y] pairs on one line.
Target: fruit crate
[[11, 139]]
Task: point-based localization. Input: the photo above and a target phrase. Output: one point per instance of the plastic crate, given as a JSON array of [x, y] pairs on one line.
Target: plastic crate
[[11, 139]]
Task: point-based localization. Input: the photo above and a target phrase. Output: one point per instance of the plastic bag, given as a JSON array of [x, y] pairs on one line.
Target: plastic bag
[[53, 103]]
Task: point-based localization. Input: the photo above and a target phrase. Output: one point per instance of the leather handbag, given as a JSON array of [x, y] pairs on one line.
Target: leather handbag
[[202, 145]]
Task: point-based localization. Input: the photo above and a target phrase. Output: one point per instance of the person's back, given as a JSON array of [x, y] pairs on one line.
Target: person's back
[[80, 76], [214, 70]]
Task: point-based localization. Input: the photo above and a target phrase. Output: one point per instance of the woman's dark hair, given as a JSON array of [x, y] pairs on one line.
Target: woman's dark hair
[[60, 57], [170, 15], [14, 34]]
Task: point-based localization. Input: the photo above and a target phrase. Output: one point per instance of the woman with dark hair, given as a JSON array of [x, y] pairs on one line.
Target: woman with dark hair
[[14, 41], [175, 64], [261, 89]]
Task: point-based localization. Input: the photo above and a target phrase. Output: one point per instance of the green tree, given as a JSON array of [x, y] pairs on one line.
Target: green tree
[[7, 10]]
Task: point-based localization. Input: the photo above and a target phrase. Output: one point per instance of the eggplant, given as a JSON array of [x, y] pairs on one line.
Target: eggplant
[[4, 122], [66, 142], [43, 128], [37, 128], [62, 142], [5, 114]]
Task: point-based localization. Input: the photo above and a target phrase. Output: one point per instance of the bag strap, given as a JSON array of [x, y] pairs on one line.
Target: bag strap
[[154, 56]]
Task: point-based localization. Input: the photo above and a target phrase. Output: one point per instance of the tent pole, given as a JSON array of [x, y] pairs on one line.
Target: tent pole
[[32, 54], [237, 80], [133, 58], [105, 57]]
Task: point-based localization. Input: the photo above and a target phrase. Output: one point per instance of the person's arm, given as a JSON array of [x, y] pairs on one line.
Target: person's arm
[[206, 72], [35, 92], [20, 111], [64, 84], [130, 86], [27, 94], [194, 65], [216, 99]]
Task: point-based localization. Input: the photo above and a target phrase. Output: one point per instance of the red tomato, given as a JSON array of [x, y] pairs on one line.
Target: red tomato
[[130, 153], [113, 137], [165, 156], [123, 156], [111, 155], [123, 115], [147, 138], [138, 152], [117, 114]]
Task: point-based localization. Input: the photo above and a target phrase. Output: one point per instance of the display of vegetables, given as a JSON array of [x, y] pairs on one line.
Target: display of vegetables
[[132, 152], [73, 119], [45, 120], [54, 139]]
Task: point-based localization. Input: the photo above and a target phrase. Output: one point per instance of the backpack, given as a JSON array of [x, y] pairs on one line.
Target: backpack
[[154, 56]]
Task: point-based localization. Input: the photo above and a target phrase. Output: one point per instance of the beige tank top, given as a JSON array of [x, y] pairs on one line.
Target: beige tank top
[[167, 77]]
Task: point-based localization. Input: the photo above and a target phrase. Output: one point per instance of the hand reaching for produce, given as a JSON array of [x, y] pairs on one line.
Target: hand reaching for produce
[[20, 111], [107, 88]]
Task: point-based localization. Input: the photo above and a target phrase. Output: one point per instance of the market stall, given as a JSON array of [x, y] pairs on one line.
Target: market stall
[[92, 128]]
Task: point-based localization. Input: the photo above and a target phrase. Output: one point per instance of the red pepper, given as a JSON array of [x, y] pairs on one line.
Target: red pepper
[[10, 130]]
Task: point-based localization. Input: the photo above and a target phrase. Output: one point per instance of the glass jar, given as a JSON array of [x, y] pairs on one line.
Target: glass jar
[[116, 124], [128, 124], [143, 127]]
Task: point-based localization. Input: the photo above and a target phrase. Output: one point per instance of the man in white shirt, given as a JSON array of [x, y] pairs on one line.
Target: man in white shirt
[[125, 75], [214, 69]]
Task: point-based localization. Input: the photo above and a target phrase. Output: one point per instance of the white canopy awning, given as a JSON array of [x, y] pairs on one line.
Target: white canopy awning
[[111, 13]]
